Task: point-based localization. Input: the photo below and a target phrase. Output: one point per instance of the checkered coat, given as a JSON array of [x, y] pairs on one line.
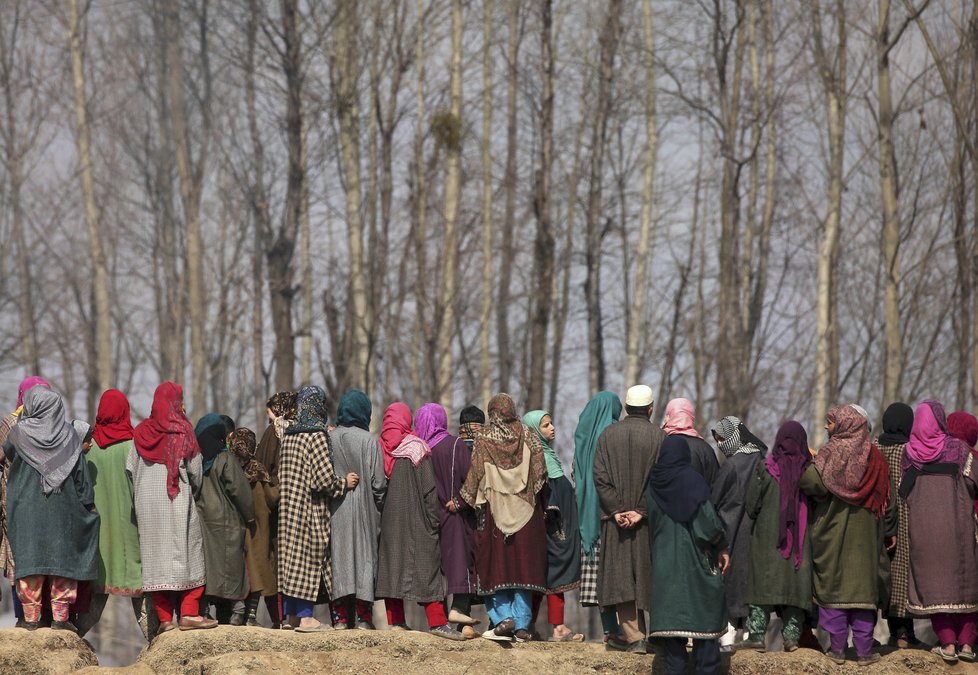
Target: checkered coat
[[307, 482]]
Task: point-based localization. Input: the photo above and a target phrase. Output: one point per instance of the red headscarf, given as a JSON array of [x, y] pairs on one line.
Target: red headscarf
[[850, 464], [396, 427], [963, 426], [166, 436], [112, 421]]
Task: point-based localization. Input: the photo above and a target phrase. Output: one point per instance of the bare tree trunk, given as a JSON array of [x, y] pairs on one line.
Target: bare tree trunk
[[453, 188], [610, 35], [100, 273], [190, 188], [305, 257], [348, 111], [485, 375], [893, 363], [503, 291], [832, 71], [543, 250], [637, 325]]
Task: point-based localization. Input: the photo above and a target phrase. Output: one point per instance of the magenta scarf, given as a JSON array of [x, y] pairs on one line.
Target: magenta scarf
[[431, 424], [929, 441], [787, 462], [680, 418], [29, 383]]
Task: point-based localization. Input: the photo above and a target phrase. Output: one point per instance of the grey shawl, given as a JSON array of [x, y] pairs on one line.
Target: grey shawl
[[45, 439]]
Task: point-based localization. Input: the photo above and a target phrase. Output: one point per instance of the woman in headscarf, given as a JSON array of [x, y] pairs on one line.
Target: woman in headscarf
[[51, 508], [165, 467], [849, 481], [689, 558], [743, 452], [563, 531], [451, 458], [410, 562], [226, 510], [258, 540], [680, 420], [6, 424], [306, 475], [939, 486], [601, 411], [120, 570], [779, 574], [964, 427], [897, 422], [470, 422], [356, 515], [507, 475], [281, 412]]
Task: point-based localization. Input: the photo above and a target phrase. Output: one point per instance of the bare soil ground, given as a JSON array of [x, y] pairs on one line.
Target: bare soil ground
[[233, 651]]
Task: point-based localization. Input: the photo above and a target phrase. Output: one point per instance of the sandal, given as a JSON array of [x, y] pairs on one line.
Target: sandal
[[948, 658], [966, 656], [320, 628], [570, 636]]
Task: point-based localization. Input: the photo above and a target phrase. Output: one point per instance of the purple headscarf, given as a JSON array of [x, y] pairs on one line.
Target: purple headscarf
[[787, 462], [28, 383], [431, 424], [929, 440]]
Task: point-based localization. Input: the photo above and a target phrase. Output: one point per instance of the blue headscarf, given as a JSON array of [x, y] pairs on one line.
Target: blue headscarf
[[674, 484], [312, 415], [212, 437]]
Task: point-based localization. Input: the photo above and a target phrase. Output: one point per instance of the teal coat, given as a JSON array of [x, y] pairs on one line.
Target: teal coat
[[687, 587]]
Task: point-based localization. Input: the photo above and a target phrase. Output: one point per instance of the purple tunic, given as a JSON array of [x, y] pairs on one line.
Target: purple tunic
[[452, 458]]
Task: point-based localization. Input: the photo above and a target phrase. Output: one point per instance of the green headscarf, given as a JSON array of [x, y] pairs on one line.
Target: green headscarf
[[354, 410], [533, 419], [600, 412]]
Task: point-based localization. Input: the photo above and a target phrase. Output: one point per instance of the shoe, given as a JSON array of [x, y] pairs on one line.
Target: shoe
[[791, 645], [64, 625], [966, 656], [523, 635], [340, 626], [748, 644], [615, 641], [318, 628], [447, 632], [869, 660], [637, 647], [30, 625], [503, 631], [166, 627], [456, 616], [254, 623], [237, 620], [400, 626], [470, 633], [951, 657], [187, 623], [839, 658], [365, 625]]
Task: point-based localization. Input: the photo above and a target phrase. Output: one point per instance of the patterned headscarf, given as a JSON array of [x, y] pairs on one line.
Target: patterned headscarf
[[242, 445], [680, 418], [311, 411], [166, 436], [850, 465], [45, 439], [283, 408], [736, 437]]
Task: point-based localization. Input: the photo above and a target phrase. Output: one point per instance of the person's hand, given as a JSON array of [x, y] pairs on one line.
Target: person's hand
[[621, 520], [891, 544], [723, 560], [634, 518], [352, 480], [450, 505]]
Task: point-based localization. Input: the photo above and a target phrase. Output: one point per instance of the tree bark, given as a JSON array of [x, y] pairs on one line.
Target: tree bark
[[543, 249], [485, 315], [100, 274]]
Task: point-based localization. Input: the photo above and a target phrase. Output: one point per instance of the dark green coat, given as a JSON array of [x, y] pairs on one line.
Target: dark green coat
[[54, 535], [772, 580], [225, 505], [687, 587], [846, 545]]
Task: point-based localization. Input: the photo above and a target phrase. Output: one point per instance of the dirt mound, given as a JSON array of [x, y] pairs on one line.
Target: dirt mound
[[43, 651]]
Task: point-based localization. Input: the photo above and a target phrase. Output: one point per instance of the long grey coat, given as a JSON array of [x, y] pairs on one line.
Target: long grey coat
[[410, 560], [225, 505], [729, 499], [356, 515], [625, 454], [170, 542]]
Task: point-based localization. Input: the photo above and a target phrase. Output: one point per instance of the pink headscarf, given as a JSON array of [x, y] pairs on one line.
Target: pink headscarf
[[929, 440], [397, 439], [29, 383], [680, 418]]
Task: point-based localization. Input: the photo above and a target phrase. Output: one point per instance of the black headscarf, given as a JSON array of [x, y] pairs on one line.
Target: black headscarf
[[897, 422], [212, 435], [674, 484]]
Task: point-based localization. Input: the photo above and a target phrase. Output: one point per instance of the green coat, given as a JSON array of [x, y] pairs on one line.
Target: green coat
[[772, 580], [225, 505], [687, 587], [120, 571], [846, 545]]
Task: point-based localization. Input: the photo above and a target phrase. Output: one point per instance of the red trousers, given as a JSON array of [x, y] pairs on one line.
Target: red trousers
[[434, 610], [555, 608], [189, 603]]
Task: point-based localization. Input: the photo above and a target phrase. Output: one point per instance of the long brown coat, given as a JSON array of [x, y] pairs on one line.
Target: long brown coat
[[225, 506], [260, 542], [625, 454]]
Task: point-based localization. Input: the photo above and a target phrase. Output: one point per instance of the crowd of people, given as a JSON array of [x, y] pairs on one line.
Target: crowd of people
[[199, 524]]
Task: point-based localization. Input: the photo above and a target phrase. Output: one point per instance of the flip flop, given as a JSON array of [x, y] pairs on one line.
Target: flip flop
[[569, 637]]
